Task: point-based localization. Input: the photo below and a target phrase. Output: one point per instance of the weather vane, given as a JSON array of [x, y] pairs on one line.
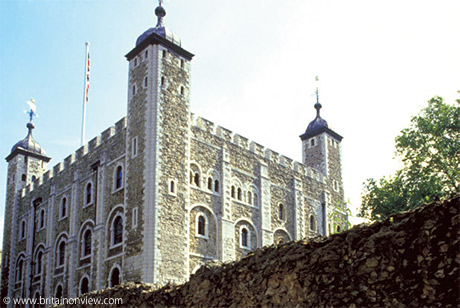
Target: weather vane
[[33, 109], [160, 2]]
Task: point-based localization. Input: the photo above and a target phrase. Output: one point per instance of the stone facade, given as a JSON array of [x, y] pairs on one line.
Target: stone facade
[[160, 193]]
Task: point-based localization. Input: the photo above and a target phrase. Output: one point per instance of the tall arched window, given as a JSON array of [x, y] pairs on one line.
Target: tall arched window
[[19, 270], [210, 183], [23, 229], [196, 179], [84, 285], [59, 292], [201, 225], [60, 256], [115, 277], [249, 197], [89, 193], [240, 194], [117, 233], [86, 243], [63, 210], [119, 177], [233, 192], [244, 237], [216, 186], [38, 263]]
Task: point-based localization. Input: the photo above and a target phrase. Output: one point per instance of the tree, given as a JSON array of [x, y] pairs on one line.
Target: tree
[[430, 152]]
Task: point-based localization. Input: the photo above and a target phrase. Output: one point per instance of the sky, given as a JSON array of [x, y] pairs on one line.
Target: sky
[[254, 69]]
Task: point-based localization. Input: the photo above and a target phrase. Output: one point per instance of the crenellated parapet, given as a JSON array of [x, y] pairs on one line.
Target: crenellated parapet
[[259, 150], [94, 144]]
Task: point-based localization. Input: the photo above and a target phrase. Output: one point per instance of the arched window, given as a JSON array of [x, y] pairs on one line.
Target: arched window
[[249, 197], [134, 89], [23, 177], [201, 228], [117, 231], [244, 237], [59, 292], [233, 191], [256, 198], [119, 177], [163, 81], [41, 219], [338, 229], [89, 193], [84, 285], [145, 82], [281, 212], [38, 263], [210, 183], [216, 186], [60, 255], [86, 243], [63, 210], [182, 90], [240, 194], [196, 179], [312, 223], [19, 270], [115, 277]]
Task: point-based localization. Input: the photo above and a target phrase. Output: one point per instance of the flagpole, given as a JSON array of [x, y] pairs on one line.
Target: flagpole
[[85, 94]]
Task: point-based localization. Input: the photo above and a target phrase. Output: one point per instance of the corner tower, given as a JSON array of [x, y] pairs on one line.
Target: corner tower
[[26, 163], [157, 156], [321, 149]]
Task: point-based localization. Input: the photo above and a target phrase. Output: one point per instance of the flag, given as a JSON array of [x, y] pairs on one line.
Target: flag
[[87, 78]]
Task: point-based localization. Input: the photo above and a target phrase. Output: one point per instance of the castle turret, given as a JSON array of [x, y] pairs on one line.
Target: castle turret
[[157, 146], [321, 149], [26, 163]]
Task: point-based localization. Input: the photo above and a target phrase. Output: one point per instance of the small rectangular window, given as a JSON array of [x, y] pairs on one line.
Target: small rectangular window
[[134, 217], [182, 63], [134, 147], [146, 54]]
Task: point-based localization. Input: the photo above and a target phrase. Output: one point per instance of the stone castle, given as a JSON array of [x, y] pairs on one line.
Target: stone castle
[[162, 192]]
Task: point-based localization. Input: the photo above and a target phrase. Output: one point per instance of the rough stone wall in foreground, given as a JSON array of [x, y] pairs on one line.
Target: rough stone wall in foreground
[[410, 260]]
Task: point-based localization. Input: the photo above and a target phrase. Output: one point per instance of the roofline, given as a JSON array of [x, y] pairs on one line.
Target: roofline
[[319, 131], [27, 153], [154, 39]]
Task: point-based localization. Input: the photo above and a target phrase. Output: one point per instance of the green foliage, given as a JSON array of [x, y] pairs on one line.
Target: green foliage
[[430, 151]]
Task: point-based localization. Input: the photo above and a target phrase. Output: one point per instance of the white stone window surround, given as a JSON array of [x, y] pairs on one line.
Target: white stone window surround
[[120, 273], [312, 142], [86, 226], [40, 249], [214, 176], [58, 252], [80, 283], [135, 217], [248, 247], [23, 230], [134, 147], [206, 225], [85, 194], [112, 230], [19, 274], [66, 204], [196, 180], [56, 290], [41, 220], [115, 178], [282, 211], [172, 187], [313, 223]]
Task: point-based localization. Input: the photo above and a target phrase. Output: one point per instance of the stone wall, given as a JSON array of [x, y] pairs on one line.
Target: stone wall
[[409, 260]]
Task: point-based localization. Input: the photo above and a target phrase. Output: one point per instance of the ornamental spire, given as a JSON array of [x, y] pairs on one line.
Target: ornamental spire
[[160, 12], [318, 106]]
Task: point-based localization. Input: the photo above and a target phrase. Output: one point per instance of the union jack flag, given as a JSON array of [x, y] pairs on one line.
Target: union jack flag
[[87, 79]]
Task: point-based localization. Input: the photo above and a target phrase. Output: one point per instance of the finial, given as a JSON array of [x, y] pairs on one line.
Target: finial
[[317, 105], [160, 12], [33, 109]]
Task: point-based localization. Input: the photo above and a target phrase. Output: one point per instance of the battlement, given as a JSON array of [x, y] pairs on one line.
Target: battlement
[[256, 148], [79, 154]]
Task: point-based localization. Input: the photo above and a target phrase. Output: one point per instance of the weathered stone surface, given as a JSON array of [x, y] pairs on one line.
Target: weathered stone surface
[[367, 266]]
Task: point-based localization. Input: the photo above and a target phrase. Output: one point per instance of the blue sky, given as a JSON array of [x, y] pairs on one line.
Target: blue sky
[[256, 61]]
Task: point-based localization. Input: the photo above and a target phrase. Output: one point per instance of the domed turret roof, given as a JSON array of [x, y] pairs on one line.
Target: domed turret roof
[[317, 123], [160, 29], [28, 143]]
